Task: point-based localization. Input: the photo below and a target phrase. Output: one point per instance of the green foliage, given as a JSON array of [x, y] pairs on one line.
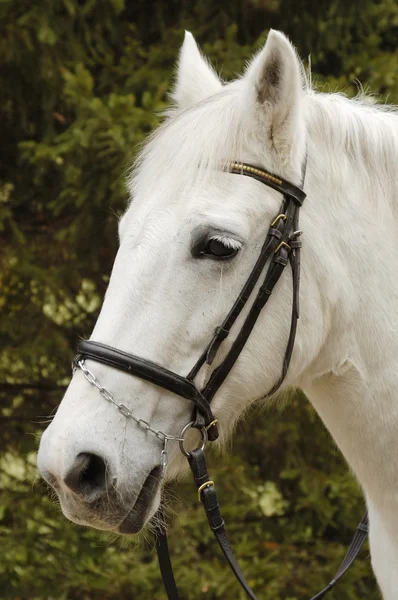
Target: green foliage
[[81, 85]]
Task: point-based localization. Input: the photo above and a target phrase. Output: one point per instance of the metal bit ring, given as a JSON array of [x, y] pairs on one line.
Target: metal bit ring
[[203, 433]]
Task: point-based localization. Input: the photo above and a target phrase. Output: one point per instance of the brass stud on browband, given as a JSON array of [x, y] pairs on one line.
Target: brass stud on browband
[[248, 169]]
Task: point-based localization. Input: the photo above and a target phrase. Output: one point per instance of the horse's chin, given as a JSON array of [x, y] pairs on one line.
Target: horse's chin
[[136, 521], [144, 509]]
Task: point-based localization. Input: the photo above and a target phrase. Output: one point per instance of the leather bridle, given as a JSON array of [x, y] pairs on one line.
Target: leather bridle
[[281, 246]]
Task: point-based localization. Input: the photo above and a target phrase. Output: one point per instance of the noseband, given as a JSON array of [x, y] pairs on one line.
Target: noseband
[[281, 247]]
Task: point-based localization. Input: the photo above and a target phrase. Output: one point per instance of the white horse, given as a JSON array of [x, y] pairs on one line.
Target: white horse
[[163, 302]]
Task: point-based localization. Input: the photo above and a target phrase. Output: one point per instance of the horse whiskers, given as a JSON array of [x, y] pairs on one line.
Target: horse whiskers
[[111, 486], [43, 419]]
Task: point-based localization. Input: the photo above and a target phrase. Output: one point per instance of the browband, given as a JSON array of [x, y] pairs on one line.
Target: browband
[[274, 181]]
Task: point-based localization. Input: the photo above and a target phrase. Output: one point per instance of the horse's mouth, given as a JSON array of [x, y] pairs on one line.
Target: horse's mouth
[[143, 508]]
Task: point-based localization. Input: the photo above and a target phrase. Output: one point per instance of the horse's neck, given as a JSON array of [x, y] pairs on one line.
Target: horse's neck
[[353, 383], [360, 409]]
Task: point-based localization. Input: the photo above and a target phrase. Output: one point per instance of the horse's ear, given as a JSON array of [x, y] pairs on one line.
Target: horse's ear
[[196, 80], [275, 84]]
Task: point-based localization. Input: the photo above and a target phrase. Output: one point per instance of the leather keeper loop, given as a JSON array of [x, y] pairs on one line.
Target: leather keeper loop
[[200, 423], [282, 260], [220, 335], [275, 233], [213, 433]]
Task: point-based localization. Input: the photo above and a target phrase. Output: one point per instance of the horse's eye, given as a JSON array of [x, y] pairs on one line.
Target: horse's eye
[[215, 245], [220, 249]]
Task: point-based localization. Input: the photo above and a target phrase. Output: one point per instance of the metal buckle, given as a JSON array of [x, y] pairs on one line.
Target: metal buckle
[[203, 433], [274, 222], [282, 245], [202, 487]]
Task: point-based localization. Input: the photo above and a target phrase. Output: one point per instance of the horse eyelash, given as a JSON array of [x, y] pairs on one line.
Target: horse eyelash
[[227, 241]]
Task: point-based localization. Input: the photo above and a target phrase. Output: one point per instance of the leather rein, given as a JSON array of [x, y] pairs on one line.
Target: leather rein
[[281, 247]]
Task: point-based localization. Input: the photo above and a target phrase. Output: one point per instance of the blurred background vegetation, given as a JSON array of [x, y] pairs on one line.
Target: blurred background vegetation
[[81, 86]]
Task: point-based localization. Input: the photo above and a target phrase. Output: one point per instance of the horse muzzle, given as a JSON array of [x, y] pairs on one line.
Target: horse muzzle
[[89, 494]]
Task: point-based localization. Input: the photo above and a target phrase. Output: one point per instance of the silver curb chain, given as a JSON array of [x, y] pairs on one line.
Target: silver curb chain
[[126, 412]]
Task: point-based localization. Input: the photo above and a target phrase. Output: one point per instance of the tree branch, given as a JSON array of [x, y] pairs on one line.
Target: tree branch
[[32, 386]]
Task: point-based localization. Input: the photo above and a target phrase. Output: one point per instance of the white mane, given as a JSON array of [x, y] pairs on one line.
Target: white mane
[[363, 137]]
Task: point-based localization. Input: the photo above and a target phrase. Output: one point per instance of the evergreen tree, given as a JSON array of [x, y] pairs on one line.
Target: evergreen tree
[[81, 86]]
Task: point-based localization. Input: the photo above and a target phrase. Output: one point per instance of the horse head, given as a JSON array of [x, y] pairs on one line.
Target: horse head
[[190, 236]]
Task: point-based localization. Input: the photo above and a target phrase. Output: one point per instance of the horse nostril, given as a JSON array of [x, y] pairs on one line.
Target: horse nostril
[[88, 476]]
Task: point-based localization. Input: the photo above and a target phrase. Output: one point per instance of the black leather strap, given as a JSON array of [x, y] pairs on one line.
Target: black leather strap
[[208, 497], [295, 245], [358, 540], [281, 244], [223, 330], [166, 569], [275, 270]]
